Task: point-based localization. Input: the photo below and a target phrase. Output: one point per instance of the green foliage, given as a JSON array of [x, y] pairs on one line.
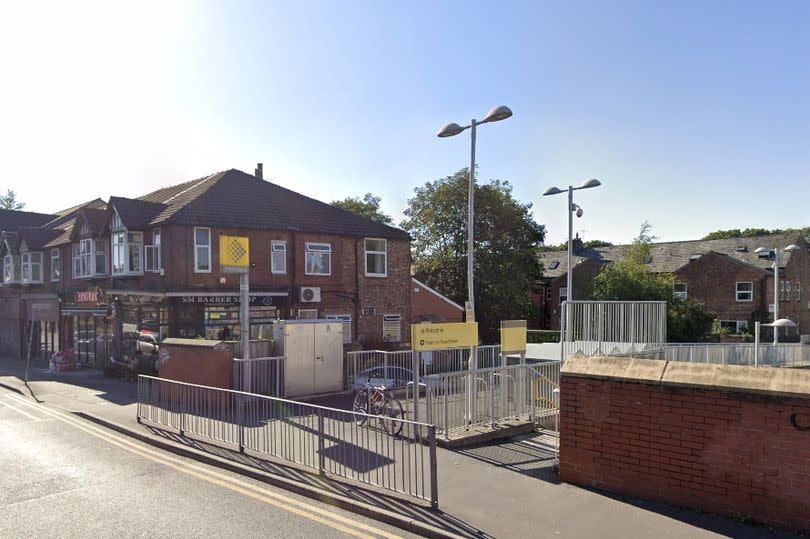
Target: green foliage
[[628, 279], [748, 232], [506, 241], [590, 244], [9, 201], [368, 207], [593, 244]]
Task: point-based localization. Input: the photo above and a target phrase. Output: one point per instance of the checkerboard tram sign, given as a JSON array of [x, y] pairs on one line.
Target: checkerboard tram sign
[[234, 254]]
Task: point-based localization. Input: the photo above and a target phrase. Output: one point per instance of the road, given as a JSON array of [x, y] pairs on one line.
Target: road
[[62, 476]]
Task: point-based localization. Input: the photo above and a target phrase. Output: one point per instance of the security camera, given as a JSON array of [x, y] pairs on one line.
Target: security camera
[[579, 211]]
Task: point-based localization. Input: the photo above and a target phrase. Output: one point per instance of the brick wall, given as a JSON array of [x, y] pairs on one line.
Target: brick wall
[[732, 451], [426, 305]]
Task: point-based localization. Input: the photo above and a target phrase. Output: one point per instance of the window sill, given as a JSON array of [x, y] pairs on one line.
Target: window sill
[[133, 274], [377, 275], [202, 271], [318, 274]]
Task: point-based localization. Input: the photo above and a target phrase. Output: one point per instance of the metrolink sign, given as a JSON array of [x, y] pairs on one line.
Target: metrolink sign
[[443, 336]]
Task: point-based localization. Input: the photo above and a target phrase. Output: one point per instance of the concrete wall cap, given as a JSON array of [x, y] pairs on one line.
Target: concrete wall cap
[[763, 380], [615, 368]]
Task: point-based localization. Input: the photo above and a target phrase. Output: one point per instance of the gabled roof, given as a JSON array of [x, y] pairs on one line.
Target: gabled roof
[[234, 199], [706, 256], [37, 238], [9, 242], [65, 232], [669, 257], [64, 216], [134, 213], [13, 219]]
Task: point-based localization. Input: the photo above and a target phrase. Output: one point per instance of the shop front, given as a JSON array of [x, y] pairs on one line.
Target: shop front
[[42, 318], [86, 328], [215, 316], [11, 336]]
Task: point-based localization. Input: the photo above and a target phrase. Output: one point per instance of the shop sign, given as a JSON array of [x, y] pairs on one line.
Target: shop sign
[[443, 336], [43, 310], [225, 300], [89, 296]]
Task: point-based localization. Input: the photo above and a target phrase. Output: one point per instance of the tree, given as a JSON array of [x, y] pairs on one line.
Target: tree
[[628, 279], [748, 232], [506, 242], [369, 207], [590, 244], [9, 201]]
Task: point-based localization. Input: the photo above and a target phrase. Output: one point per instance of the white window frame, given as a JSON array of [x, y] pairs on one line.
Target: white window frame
[[124, 249], [681, 294], [782, 291], [8, 269], [563, 294], [84, 257], [56, 264], [346, 319], [738, 325], [798, 291], [100, 252], [198, 248], [278, 247], [153, 252], [749, 292], [25, 267], [548, 294], [300, 311], [787, 290], [32, 264], [317, 248], [383, 253]]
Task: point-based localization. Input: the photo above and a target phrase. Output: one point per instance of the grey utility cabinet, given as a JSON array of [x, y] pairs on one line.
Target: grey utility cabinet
[[314, 355]]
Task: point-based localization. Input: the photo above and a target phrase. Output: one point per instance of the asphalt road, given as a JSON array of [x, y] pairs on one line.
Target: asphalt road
[[61, 476]]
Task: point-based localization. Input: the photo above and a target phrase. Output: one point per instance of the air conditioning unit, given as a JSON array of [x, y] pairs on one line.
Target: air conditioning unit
[[310, 294]]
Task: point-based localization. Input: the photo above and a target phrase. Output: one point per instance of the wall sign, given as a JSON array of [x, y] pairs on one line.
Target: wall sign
[[89, 296], [225, 300]]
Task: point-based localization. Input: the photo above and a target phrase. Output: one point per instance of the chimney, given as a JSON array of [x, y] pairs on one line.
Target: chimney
[[259, 173]]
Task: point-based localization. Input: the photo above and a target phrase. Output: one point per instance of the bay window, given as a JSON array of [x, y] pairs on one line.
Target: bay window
[[376, 257], [318, 258], [25, 261], [56, 264], [8, 269], [31, 267], [127, 249], [89, 259]]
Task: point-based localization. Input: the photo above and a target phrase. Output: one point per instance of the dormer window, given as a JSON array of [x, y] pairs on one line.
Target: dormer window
[[31, 267], [127, 253], [11, 269], [89, 258]]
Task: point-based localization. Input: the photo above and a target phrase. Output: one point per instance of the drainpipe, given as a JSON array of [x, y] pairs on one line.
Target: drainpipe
[[355, 326]]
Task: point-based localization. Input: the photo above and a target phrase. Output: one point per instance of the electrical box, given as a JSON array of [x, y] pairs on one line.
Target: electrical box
[[314, 356]]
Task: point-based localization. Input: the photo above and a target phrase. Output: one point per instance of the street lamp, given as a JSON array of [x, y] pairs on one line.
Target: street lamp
[[449, 130], [789, 249], [781, 323], [572, 209]]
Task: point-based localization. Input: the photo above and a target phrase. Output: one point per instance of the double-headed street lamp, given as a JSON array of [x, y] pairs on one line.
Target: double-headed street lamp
[[448, 130], [572, 209], [789, 249]]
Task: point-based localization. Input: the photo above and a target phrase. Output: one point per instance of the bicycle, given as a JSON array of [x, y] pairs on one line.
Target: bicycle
[[376, 401]]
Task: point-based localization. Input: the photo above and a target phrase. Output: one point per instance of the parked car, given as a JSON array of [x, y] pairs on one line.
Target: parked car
[[390, 377]]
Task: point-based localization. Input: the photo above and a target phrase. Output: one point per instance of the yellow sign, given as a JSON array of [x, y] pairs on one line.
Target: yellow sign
[[234, 252], [513, 336], [442, 336]]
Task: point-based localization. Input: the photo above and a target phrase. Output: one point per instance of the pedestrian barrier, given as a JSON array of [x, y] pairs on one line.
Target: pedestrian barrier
[[791, 355], [327, 440], [458, 400], [261, 375]]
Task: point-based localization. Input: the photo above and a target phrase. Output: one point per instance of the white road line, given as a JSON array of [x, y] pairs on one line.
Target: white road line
[[292, 505]]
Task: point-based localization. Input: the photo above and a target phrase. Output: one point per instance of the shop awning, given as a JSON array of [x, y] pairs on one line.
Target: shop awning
[[257, 293]]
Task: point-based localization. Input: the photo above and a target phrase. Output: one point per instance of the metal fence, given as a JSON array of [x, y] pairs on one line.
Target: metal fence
[[398, 367], [767, 355], [261, 375], [333, 442], [542, 335], [459, 400], [594, 328], [258, 348]]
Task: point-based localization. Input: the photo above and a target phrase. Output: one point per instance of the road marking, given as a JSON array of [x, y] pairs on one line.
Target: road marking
[[21, 412], [303, 509]]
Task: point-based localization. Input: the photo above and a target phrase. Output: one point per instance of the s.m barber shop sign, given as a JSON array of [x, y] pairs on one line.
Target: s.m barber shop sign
[[88, 296]]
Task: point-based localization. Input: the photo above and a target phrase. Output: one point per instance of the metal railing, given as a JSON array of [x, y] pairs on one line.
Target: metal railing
[[261, 375], [258, 348], [339, 443], [458, 400], [398, 366], [535, 336], [767, 355], [612, 327]]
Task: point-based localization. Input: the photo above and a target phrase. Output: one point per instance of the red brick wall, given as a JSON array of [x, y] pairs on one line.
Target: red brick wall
[[736, 454], [425, 304]]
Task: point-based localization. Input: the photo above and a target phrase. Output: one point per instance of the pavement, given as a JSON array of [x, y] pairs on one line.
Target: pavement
[[500, 489]]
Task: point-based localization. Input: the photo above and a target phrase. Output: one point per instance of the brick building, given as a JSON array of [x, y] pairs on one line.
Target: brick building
[[151, 265], [727, 275], [428, 305]]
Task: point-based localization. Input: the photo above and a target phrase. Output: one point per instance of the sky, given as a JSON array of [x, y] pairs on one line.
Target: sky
[[694, 115]]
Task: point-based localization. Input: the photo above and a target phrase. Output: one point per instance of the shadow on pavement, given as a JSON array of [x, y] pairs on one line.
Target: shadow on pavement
[[340, 488], [530, 454]]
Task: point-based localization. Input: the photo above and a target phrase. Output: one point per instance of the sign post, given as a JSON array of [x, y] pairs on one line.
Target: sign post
[[513, 341], [234, 257]]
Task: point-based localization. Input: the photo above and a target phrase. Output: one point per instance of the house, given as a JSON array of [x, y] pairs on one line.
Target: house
[[151, 265], [428, 305], [727, 275]]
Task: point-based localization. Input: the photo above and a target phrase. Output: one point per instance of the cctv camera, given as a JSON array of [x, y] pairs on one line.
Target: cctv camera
[[579, 212]]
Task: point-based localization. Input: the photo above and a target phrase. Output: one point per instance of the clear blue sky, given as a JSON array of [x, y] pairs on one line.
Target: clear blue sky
[[689, 112]]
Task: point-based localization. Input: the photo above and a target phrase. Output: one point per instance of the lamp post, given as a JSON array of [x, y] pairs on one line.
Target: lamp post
[[572, 209], [448, 130], [780, 323], [789, 249]]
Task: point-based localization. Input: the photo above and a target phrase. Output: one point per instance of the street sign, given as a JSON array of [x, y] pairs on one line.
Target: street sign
[[513, 336], [443, 336], [234, 254]]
